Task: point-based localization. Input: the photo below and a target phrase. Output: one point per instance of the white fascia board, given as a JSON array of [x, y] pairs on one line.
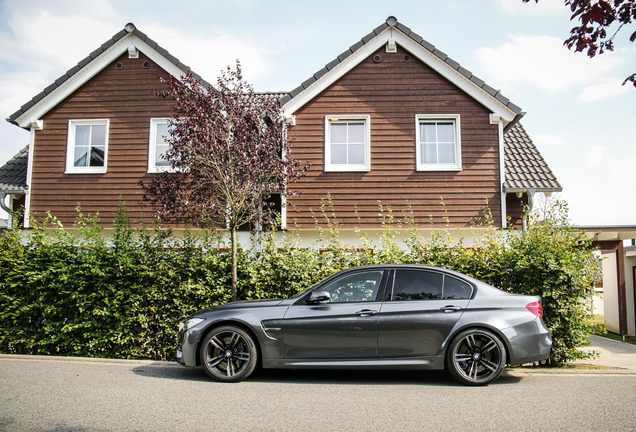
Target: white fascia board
[[92, 69], [430, 59]]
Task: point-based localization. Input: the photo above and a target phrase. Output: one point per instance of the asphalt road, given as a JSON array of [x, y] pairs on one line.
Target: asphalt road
[[92, 396]]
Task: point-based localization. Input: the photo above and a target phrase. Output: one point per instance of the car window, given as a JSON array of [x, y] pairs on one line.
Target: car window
[[417, 285], [456, 289], [356, 287]]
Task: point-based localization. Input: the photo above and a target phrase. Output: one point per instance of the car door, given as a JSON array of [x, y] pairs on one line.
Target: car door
[[420, 309], [344, 327]]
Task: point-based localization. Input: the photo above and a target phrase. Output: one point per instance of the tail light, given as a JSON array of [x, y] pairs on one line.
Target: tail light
[[535, 308]]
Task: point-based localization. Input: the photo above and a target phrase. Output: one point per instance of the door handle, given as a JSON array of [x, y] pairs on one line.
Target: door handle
[[366, 312], [450, 308]]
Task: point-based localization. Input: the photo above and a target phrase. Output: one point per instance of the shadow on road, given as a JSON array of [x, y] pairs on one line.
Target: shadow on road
[[321, 377]]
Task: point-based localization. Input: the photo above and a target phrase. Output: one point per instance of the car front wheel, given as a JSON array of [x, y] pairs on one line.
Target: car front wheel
[[476, 357], [228, 354]]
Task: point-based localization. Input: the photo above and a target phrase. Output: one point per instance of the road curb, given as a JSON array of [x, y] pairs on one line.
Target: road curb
[[512, 372], [88, 360], [521, 372]]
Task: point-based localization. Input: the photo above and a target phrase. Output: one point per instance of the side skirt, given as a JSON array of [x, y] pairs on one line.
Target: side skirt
[[434, 363]]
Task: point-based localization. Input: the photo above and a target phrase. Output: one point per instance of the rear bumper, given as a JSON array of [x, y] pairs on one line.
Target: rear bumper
[[529, 342]]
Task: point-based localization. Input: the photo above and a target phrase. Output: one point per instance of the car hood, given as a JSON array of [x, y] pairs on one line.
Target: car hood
[[244, 304]]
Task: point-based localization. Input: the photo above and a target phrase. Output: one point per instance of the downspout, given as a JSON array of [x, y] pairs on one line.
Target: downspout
[[3, 196], [526, 213]]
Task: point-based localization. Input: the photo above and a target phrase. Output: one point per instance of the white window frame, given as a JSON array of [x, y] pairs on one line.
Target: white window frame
[[152, 146], [424, 118], [329, 167], [70, 147]]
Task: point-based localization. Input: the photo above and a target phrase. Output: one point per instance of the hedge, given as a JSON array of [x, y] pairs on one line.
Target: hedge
[[74, 292]]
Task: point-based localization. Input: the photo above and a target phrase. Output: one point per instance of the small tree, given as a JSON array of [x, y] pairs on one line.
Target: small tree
[[597, 17], [228, 153]]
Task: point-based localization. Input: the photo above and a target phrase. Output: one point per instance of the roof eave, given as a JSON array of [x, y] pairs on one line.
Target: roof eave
[[129, 38], [416, 45]]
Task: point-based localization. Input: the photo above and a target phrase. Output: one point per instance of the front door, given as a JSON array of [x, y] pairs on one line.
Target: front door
[[344, 327]]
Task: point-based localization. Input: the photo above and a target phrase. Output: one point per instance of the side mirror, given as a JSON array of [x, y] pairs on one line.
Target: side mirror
[[318, 296]]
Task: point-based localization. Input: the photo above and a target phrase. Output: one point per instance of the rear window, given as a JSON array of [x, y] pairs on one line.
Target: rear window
[[456, 289], [427, 285]]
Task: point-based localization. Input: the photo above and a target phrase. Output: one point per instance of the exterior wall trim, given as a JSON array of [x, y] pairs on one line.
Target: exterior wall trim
[[92, 69], [461, 81]]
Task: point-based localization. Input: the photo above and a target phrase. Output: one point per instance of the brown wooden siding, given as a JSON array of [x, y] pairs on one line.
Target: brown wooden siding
[[392, 92], [124, 96]]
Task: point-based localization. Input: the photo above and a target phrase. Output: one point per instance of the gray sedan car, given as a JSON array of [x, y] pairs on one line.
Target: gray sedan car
[[374, 317]]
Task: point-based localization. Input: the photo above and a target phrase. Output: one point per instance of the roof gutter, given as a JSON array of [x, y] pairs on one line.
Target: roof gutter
[[514, 121]]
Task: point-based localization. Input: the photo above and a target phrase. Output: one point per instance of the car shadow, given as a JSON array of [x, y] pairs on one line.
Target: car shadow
[[322, 376]]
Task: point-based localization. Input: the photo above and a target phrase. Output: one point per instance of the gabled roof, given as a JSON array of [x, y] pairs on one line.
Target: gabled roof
[[13, 174], [395, 32], [524, 166], [127, 39]]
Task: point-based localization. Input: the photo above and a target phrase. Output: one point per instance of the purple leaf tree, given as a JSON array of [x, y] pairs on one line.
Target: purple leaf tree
[[228, 153]]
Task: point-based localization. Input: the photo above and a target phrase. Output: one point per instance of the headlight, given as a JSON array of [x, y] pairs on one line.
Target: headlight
[[189, 323]]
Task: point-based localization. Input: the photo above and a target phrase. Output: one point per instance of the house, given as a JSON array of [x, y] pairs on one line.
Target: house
[[392, 119]]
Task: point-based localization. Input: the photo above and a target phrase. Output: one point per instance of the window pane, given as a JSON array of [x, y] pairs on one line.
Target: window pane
[[338, 153], [447, 153], [428, 133], [81, 157], [456, 289], [161, 150], [445, 132], [429, 153], [98, 135], [356, 154], [417, 285], [97, 157], [356, 133], [82, 134], [162, 131], [338, 132], [357, 287]]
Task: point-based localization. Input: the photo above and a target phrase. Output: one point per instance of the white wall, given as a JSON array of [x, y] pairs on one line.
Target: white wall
[[610, 292]]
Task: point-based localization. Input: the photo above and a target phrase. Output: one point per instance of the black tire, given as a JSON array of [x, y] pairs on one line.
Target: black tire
[[228, 354], [476, 357]]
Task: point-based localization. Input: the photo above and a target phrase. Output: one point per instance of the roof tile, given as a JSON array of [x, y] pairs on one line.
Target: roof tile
[[379, 29], [368, 37], [13, 173], [525, 168], [109, 43], [404, 29], [440, 54]]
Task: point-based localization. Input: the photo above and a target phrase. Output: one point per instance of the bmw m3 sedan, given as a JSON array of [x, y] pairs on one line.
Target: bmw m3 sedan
[[373, 317]]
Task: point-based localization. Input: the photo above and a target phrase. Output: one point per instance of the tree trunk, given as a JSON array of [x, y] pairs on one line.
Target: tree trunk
[[234, 266]]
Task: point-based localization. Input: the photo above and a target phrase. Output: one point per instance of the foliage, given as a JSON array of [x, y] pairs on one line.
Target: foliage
[[596, 17], [226, 148], [70, 292]]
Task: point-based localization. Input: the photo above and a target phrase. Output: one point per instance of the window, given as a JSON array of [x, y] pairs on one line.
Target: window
[[158, 145], [417, 285], [426, 285], [438, 142], [357, 287], [347, 145], [87, 146]]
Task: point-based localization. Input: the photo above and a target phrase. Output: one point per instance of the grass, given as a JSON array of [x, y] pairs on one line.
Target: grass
[[599, 322]]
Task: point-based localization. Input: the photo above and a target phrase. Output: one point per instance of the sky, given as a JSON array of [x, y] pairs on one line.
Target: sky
[[579, 116]]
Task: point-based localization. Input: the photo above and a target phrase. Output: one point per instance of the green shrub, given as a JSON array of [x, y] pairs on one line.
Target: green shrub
[[74, 292]]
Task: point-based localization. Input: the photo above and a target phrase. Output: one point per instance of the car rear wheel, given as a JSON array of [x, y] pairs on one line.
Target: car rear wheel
[[476, 357], [228, 354]]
